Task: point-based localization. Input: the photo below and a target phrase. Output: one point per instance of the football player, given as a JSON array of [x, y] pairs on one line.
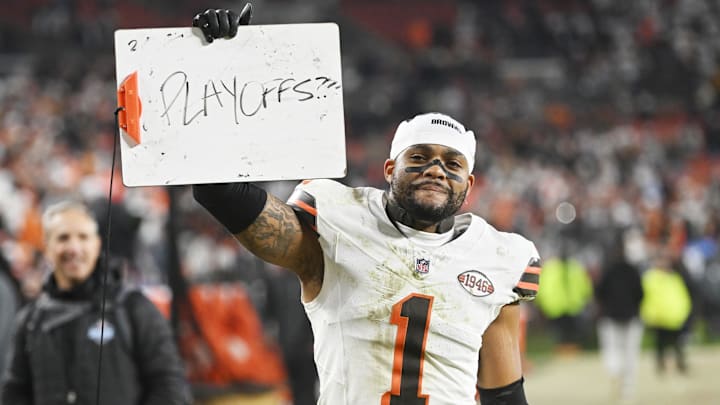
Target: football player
[[409, 302]]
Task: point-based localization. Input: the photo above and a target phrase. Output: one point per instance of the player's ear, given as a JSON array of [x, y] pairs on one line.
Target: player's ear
[[470, 182], [388, 169]]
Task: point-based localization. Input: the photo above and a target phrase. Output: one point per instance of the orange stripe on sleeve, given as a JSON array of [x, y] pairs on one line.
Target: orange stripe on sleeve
[[527, 286], [533, 270], [306, 207]]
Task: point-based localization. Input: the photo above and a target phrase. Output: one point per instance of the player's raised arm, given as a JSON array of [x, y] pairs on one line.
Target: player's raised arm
[[266, 226], [263, 224]]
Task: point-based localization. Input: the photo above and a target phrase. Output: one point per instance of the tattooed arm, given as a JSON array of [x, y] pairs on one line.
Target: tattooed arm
[[277, 236], [267, 227]]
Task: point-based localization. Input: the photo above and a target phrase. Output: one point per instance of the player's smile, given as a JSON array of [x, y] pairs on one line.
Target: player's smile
[[431, 193], [432, 186]]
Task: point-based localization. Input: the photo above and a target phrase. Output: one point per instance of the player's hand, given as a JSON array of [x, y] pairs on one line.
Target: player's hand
[[220, 23]]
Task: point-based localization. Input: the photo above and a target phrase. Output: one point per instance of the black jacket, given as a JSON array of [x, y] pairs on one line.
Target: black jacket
[[619, 291], [56, 350]]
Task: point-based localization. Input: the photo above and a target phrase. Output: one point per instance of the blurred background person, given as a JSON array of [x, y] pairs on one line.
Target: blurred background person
[[665, 309], [56, 349], [10, 302], [565, 294], [619, 293]]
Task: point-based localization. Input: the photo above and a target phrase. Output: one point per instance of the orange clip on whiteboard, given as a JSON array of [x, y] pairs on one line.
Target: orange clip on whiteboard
[[129, 101]]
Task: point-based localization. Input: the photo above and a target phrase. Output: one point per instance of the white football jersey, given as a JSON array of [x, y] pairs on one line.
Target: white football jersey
[[396, 323]]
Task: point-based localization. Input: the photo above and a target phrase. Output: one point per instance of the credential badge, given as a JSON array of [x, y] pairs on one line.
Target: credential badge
[[94, 332]]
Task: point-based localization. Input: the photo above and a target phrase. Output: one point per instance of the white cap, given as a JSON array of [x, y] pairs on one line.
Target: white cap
[[434, 128]]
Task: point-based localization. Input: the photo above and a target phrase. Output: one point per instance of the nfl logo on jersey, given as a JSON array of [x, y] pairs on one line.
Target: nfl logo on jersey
[[422, 266]]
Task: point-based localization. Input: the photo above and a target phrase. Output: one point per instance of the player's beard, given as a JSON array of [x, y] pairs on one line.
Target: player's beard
[[404, 195]]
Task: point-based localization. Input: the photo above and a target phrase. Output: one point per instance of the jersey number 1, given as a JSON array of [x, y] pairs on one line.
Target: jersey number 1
[[412, 316]]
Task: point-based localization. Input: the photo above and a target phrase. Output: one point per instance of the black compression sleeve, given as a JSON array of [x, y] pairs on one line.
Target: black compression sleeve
[[511, 394], [235, 205]]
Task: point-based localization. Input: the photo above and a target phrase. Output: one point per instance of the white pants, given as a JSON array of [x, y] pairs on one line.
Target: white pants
[[620, 348]]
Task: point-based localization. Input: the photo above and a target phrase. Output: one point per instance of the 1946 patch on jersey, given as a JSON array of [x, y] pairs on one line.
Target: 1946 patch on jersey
[[476, 283]]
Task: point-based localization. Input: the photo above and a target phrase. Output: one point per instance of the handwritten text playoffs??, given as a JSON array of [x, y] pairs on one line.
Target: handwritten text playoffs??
[[245, 98]]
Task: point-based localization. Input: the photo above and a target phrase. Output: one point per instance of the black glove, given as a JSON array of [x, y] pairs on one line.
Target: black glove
[[219, 23]]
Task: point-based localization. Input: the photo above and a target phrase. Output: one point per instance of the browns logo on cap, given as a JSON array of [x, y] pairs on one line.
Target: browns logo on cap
[[434, 128]]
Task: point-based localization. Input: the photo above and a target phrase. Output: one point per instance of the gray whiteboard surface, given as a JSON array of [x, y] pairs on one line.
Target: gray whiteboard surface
[[265, 105]]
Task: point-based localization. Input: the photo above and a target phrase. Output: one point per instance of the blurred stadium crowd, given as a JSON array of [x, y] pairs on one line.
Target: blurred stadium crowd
[[596, 120]]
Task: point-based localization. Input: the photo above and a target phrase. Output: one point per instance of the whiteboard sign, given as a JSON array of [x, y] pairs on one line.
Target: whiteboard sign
[[265, 105]]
